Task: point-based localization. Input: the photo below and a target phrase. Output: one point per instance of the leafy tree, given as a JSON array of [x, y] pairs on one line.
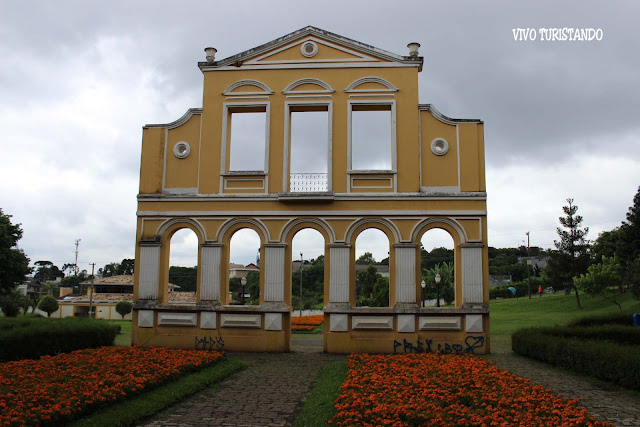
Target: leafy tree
[[46, 270], [14, 264], [185, 277], [253, 286], [601, 279], [12, 302], [71, 267], [366, 259], [381, 292], [48, 304], [572, 255], [629, 249], [312, 283], [123, 308], [126, 266], [632, 275], [447, 276], [365, 282], [607, 244], [110, 269], [436, 256]]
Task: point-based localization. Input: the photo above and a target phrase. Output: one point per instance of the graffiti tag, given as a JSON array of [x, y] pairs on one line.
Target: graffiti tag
[[209, 343], [472, 343]]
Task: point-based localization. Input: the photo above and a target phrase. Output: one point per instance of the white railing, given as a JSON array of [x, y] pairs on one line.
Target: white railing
[[308, 182]]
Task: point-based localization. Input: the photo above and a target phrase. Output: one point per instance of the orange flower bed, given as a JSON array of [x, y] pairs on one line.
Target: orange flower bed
[[55, 389], [316, 320], [444, 390], [302, 327]]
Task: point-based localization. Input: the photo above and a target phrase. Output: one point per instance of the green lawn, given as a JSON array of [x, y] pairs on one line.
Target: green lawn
[[124, 337], [509, 315], [318, 409]]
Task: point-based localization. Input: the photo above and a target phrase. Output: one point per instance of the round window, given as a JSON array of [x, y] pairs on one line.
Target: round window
[[181, 149], [309, 49], [439, 147]]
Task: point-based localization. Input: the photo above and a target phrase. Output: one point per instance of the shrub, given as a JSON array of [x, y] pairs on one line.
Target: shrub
[[609, 361], [12, 302], [615, 333], [123, 308], [30, 337], [604, 319], [48, 304]]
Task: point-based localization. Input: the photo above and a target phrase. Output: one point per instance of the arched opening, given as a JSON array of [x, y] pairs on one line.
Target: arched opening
[[183, 267], [372, 268], [244, 268], [307, 272], [437, 262]]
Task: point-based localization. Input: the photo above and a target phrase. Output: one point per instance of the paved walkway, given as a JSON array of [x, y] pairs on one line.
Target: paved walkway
[[617, 407], [268, 393], [271, 390]]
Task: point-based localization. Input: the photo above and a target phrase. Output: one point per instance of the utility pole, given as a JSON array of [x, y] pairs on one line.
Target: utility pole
[[527, 265], [301, 265], [93, 265], [75, 267]]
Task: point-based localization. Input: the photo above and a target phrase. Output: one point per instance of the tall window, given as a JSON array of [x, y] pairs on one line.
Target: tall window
[[247, 136], [438, 259], [309, 142], [372, 269], [372, 137], [244, 262], [183, 266]]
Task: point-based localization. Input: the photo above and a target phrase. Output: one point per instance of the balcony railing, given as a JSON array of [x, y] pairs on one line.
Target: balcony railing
[[308, 183]]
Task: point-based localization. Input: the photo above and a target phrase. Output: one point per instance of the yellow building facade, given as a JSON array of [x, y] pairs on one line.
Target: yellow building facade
[[431, 175]]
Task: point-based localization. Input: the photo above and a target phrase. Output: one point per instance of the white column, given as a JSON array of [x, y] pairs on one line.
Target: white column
[[339, 273], [149, 271], [210, 258], [471, 274], [273, 263], [405, 273]]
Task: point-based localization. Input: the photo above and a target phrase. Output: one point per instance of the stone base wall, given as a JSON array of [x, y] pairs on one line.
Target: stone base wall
[[346, 329]]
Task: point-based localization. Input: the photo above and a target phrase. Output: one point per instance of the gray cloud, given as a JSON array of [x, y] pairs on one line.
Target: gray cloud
[[80, 79]]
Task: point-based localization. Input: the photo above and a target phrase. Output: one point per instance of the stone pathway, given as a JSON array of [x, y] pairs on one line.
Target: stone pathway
[[617, 407], [269, 392], [272, 388]]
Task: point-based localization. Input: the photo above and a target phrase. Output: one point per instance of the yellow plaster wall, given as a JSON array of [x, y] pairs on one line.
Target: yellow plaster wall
[[470, 147], [152, 160], [339, 79], [183, 173], [438, 171]]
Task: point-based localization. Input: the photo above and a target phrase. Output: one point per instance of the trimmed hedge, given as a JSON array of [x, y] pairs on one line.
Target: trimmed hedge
[[618, 334], [605, 319], [30, 338], [606, 360]]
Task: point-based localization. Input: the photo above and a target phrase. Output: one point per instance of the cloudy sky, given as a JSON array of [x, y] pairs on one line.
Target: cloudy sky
[[78, 80]]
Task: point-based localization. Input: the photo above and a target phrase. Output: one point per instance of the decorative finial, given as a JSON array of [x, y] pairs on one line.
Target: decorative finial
[[211, 53], [413, 49]]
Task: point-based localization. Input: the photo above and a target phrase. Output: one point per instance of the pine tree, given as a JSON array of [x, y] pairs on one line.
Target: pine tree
[[629, 248], [572, 256]]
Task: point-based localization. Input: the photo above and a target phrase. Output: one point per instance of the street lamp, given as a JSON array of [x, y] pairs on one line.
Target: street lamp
[[423, 284], [438, 289], [301, 264], [243, 281]]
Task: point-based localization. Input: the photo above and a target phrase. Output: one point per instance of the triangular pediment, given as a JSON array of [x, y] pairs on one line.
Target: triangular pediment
[[319, 51], [309, 46]]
